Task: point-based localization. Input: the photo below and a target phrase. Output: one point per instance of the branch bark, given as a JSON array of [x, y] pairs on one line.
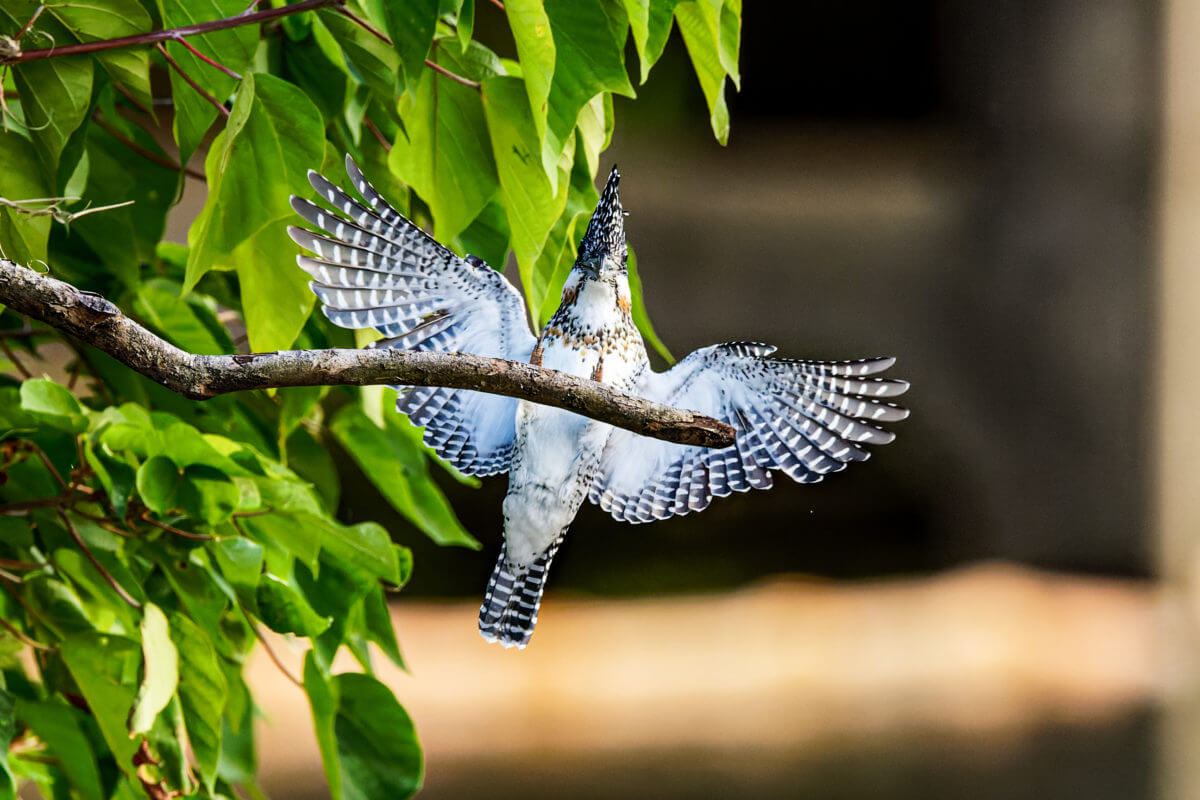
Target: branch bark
[[96, 321]]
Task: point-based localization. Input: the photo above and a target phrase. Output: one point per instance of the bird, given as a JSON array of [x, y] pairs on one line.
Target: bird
[[373, 268]]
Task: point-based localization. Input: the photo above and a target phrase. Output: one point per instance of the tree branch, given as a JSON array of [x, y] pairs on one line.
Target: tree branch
[[169, 34], [93, 319]]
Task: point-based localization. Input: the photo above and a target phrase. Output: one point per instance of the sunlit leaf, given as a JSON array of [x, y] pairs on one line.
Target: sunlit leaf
[[160, 676]]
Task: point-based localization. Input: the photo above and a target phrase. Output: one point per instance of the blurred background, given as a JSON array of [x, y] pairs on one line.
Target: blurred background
[[1004, 196]]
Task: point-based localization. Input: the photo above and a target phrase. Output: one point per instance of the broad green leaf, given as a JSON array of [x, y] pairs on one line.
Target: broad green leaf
[[276, 299], [658, 29], [296, 534], [730, 35], [323, 703], [410, 25], [59, 726], [52, 404], [399, 470], [368, 59], [8, 783], [124, 238], [105, 669], [284, 610], [208, 495], [442, 151], [590, 59], [487, 236], [202, 694], [379, 624], [699, 23], [233, 47], [55, 96], [273, 135], [529, 200], [23, 237], [116, 476], [465, 23], [241, 563], [594, 130], [537, 51], [376, 743], [113, 19], [160, 660], [365, 546], [158, 484]]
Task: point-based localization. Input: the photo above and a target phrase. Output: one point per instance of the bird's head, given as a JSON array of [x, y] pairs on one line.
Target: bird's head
[[602, 251]]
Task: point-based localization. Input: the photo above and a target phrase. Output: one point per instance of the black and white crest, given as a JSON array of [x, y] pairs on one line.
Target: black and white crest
[[606, 230]]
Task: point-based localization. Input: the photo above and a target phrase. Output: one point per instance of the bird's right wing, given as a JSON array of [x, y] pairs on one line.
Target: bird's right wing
[[375, 269], [803, 418]]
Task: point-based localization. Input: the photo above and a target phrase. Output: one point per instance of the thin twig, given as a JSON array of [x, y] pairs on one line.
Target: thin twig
[[171, 33], [362, 23], [383, 142], [93, 319], [45, 459], [192, 81], [149, 155], [28, 25], [120, 590], [8, 352], [451, 75], [207, 60], [245, 514], [498, 4], [54, 209], [270, 652], [129, 96], [36, 645], [201, 537], [10, 563]]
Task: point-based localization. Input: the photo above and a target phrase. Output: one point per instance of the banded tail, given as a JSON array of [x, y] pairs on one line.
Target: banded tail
[[510, 607]]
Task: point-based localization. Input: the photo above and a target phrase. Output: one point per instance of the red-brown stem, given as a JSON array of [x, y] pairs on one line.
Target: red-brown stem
[[49, 465], [120, 590], [16, 361], [129, 96], [362, 23], [201, 537], [383, 142], [25, 28], [171, 33], [206, 59], [149, 155], [452, 76], [191, 81], [498, 4]]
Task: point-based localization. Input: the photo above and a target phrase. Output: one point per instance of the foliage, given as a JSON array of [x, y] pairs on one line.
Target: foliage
[[148, 542]]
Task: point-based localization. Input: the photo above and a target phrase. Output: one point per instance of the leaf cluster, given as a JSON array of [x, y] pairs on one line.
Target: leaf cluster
[[148, 542]]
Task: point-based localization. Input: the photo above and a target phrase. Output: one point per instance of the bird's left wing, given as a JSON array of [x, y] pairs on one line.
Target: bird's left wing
[[803, 418], [375, 269]]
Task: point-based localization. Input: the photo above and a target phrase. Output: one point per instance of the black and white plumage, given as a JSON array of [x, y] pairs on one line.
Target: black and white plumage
[[806, 419]]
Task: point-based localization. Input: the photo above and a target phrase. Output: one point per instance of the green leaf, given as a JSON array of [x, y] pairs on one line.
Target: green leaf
[[529, 199], [59, 726], [105, 669], [699, 23], [399, 470], [365, 547], [536, 48], [369, 60], [208, 494], [233, 47], [22, 237], [442, 152], [161, 676], [52, 405], [465, 24], [730, 35], [55, 94], [323, 703], [410, 25], [273, 134], [158, 484], [113, 19], [284, 610], [376, 743], [276, 299], [202, 694], [590, 59], [241, 563], [658, 30], [379, 624]]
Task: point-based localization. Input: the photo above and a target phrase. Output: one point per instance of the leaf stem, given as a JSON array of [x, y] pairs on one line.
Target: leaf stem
[[374, 129], [451, 75], [371, 29], [120, 590], [287, 673], [192, 81], [202, 537], [8, 352], [171, 33], [206, 59], [149, 155]]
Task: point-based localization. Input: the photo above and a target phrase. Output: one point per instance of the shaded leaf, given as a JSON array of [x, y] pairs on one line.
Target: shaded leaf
[[55, 96], [202, 694], [699, 23], [158, 484], [376, 743], [59, 726], [52, 404], [284, 610], [22, 237]]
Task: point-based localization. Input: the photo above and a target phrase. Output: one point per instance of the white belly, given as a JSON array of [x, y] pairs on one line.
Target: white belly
[[556, 454]]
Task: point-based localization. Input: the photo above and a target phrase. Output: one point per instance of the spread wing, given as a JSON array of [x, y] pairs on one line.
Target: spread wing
[[375, 269], [803, 418]]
